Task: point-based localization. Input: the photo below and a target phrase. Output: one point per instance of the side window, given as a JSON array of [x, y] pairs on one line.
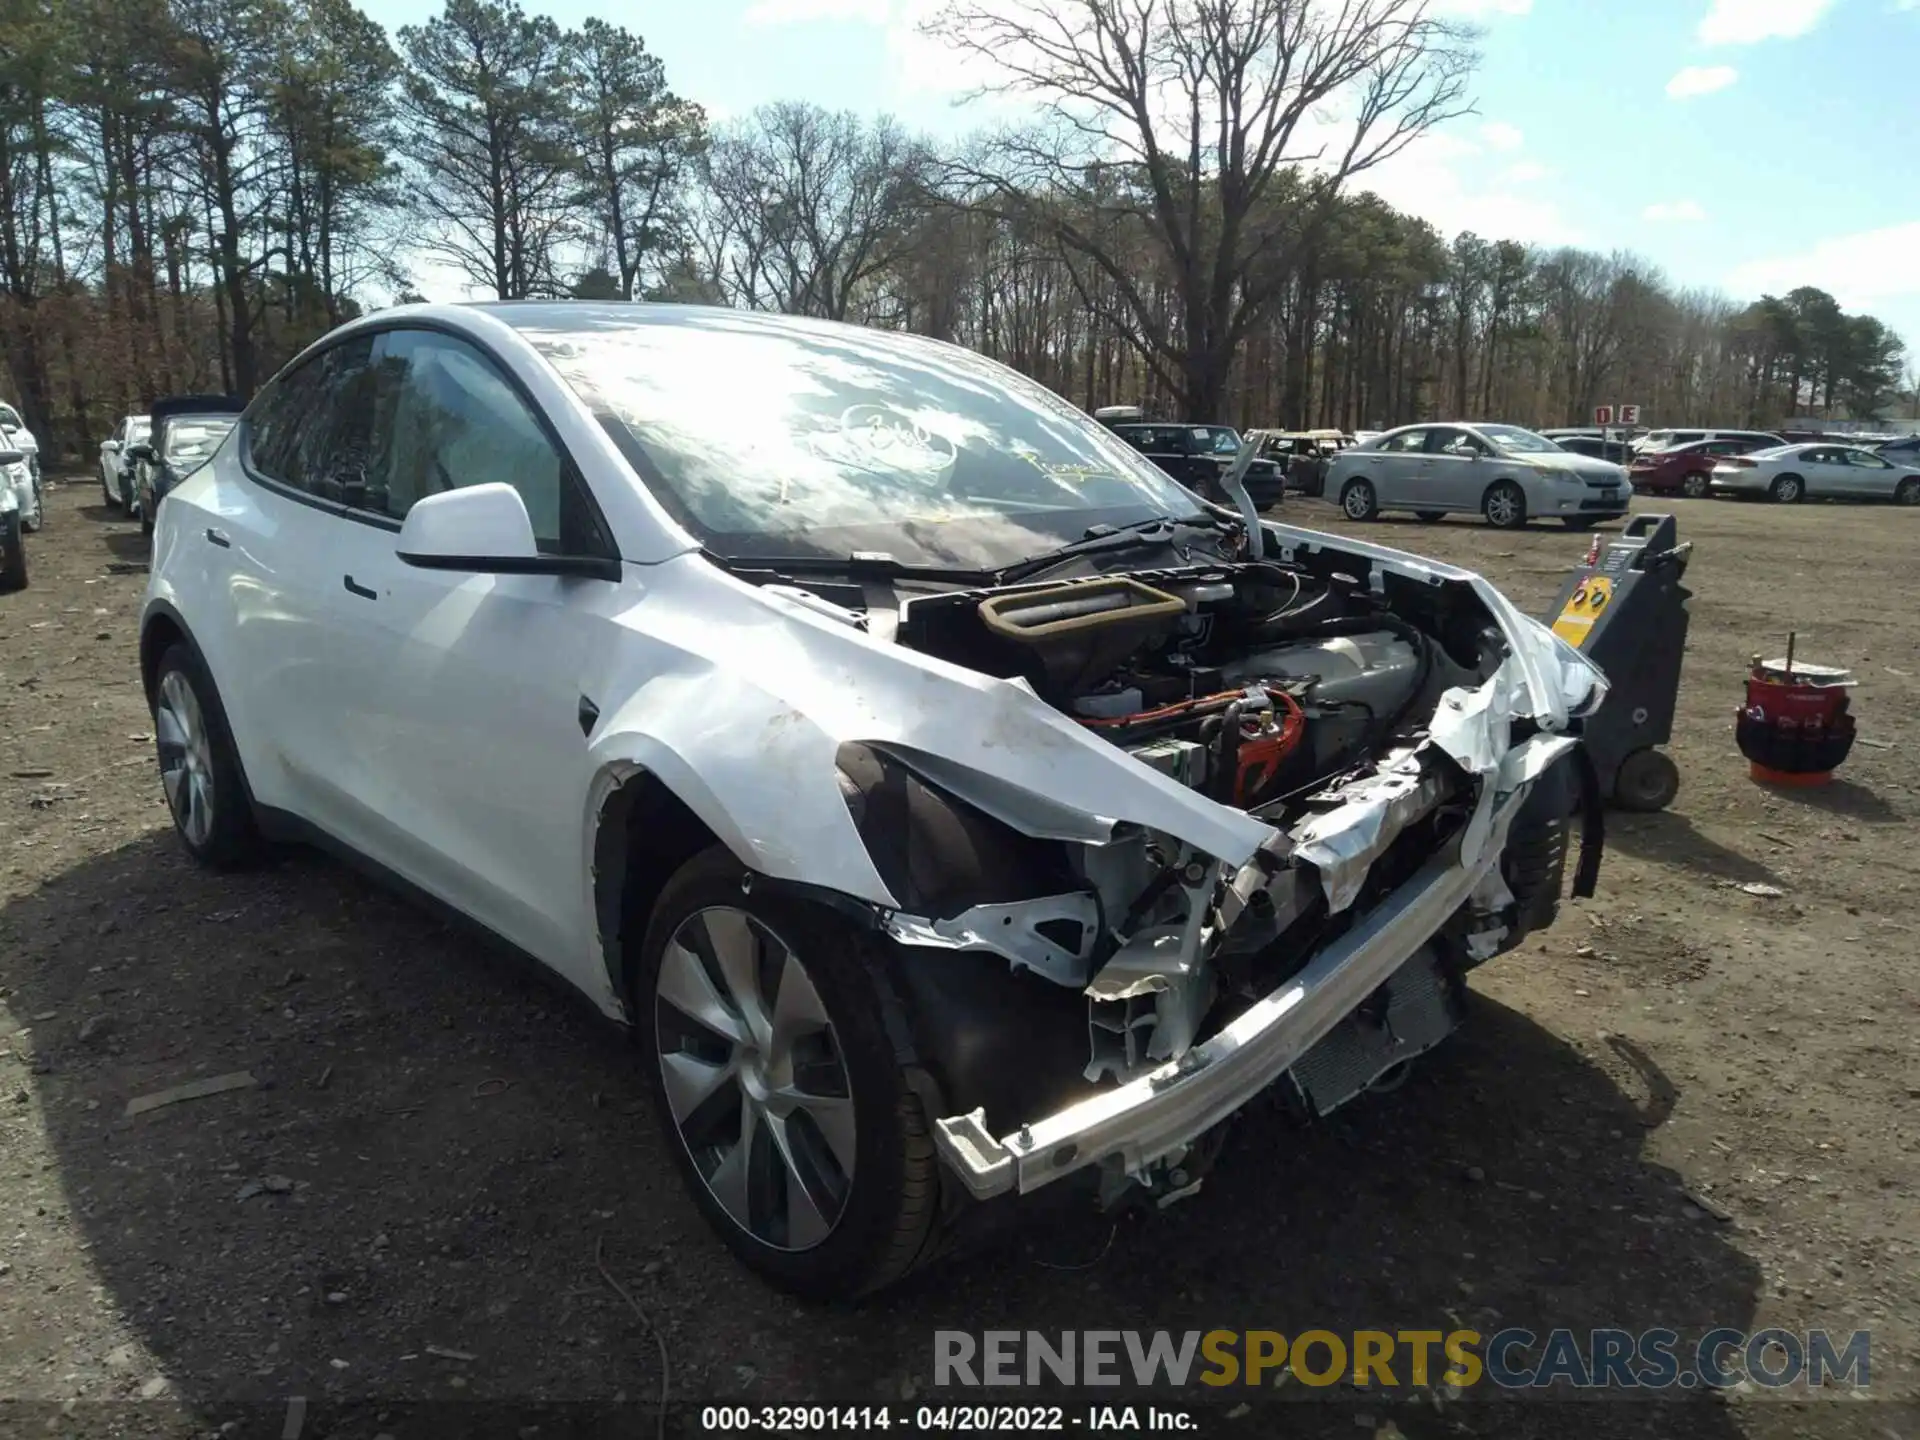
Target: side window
[[1457, 443], [311, 430], [1406, 443], [450, 419]]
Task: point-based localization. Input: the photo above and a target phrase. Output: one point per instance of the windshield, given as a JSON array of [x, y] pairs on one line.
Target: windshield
[[9, 418], [1514, 440], [190, 441], [771, 437], [138, 430]]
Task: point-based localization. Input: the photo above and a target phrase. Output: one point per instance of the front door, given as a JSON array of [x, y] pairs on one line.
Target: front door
[[469, 695]]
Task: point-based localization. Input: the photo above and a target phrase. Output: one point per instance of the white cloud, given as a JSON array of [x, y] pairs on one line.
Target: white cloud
[[796, 12], [1742, 22], [1477, 8], [1701, 80], [1858, 270], [1435, 178], [1674, 210], [1502, 136]]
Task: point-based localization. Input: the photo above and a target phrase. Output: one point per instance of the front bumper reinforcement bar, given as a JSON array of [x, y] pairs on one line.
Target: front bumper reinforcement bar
[[1145, 1119]]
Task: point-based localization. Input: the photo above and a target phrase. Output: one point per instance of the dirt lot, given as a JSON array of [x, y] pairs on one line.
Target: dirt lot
[[1684, 1106]]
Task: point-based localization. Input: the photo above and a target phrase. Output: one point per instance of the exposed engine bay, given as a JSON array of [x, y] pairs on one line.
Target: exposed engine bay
[[1364, 717], [1249, 683]]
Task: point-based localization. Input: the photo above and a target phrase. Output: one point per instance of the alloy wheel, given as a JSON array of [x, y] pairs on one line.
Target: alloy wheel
[[1503, 507], [755, 1078], [1694, 486], [1357, 502], [186, 758]]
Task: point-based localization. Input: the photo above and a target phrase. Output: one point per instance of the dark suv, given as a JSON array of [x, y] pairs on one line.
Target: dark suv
[[1199, 455]]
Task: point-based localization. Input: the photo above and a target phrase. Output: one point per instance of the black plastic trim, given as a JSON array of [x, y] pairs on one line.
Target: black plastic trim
[[589, 567]]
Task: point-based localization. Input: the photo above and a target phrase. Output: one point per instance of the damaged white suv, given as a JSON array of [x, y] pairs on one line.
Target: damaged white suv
[[952, 804]]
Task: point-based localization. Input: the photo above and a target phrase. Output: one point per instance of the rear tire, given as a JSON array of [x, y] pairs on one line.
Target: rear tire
[[13, 553], [1787, 490], [1907, 492], [200, 767], [1358, 501], [885, 1203], [1696, 485], [1505, 506]]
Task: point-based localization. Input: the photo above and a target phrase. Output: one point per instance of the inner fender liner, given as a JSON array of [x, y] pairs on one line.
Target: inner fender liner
[[937, 854]]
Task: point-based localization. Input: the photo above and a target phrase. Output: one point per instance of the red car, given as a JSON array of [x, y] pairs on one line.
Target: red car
[[1686, 469]]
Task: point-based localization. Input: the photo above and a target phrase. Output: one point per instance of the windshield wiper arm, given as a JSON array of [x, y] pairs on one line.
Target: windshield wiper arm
[[1100, 538]]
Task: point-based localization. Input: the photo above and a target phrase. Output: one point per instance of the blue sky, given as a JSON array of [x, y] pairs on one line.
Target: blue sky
[[1741, 145]]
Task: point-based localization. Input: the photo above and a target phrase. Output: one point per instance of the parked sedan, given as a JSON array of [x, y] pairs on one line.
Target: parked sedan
[[186, 432], [23, 472], [1687, 469], [1507, 474], [860, 761], [1790, 473], [116, 473], [18, 479]]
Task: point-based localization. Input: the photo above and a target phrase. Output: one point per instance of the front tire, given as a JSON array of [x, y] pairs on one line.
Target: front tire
[[1787, 490], [1358, 500], [1907, 492], [1505, 506], [762, 1035], [1696, 485], [199, 766]]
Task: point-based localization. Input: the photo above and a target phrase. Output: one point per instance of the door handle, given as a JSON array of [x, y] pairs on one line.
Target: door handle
[[361, 590], [214, 537]]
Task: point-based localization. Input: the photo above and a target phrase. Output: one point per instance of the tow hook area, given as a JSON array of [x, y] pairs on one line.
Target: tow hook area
[[1168, 1180]]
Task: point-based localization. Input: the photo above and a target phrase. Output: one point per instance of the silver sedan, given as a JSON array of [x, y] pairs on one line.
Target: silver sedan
[[1507, 474], [1822, 471]]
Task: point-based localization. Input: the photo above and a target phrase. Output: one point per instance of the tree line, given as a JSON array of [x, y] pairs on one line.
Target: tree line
[[191, 190]]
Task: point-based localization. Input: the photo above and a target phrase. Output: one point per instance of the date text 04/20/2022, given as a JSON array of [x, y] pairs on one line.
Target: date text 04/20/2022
[[978, 1419]]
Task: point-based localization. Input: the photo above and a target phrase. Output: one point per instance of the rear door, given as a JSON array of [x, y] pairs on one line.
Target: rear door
[[1825, 470], [1398, 469], [1454, 469]]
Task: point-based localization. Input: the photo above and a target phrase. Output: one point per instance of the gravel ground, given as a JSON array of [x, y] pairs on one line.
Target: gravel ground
[[1684, 1106]]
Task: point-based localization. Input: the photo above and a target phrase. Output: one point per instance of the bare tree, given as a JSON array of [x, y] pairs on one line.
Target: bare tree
[[1205, 105], [810, 205]]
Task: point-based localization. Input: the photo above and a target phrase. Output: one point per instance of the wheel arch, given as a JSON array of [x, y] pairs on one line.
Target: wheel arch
[[160, 628]]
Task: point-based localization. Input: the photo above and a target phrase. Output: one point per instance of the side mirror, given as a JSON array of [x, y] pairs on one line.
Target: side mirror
[[10, 456], [139, 452], [110, 446], [484, 529]]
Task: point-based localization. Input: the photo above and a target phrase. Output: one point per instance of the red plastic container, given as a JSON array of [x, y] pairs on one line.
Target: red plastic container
[[1796, 727]]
